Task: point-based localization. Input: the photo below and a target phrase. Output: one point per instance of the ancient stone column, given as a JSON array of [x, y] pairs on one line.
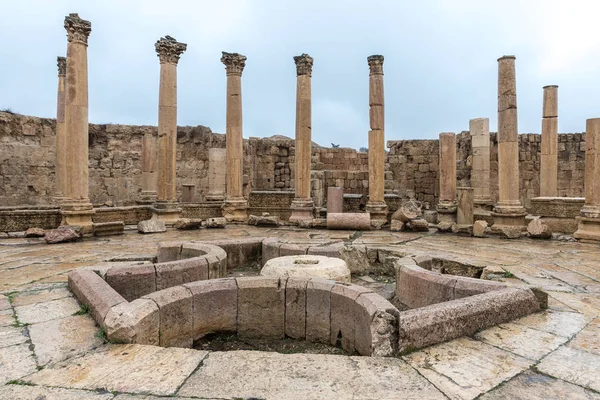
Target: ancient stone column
[[77, 208], [589, 222], [480, 172], [464, 209], [216, 174], [376, 205], [149, 180], [508, 211], [549, 156], [446, 206], [235, 206], [61, 139], [166, 207], [302, 205]]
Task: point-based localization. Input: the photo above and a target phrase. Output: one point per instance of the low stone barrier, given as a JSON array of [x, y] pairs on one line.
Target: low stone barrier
[[240, 252], [349, 221]]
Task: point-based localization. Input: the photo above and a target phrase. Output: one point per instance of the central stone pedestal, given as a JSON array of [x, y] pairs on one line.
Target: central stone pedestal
[[307, 266], [302, 210], [235, 209], [166, 211], [378, 212], [78, 213]]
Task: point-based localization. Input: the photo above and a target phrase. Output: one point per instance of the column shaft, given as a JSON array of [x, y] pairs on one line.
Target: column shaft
[[589, 221], [549, 155], [446, 207], [61, 139], [480, 172], [149, 179]]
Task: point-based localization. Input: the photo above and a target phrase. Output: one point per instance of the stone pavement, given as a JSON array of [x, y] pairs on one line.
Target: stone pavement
[[50, 348]]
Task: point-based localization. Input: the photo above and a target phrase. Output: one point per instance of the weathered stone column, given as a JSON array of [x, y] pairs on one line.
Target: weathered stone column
[[148, 195], [376, 205], [166, 207], [216, 174], [77, 208], [508, 211], [302, 205], [549, 156], [235, 206], [464, 210], [480, 173], [446, 207], [589, 222], [61, 139]]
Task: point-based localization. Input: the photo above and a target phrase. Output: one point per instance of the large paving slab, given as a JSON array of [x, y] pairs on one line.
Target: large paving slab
[[39, 296], [589, 338], [573, 365], [559, 323], [261, 375], [16, 362], [40, 312], [62, 338], [10, 335], [532, 386], [465, 368], [124, 368], [24, 392]]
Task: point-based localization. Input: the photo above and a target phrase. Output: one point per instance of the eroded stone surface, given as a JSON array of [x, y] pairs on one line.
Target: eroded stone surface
[[573, 365], [588, 339], [22, 392], [40, 312], [16, 362]]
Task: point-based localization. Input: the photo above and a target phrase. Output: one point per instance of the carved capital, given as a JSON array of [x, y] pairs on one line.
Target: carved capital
[[234, 63], [169, 50], [78, 30], [304, 64], [375, 64], [61, 62]]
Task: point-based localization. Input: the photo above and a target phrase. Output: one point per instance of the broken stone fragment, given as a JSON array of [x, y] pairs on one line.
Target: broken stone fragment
[[479, 228], [407, 211], [187, 224], [151, 226], [264, 220], [418, 225], [216, 222], [34, 232], [63, 234], [538, 230]]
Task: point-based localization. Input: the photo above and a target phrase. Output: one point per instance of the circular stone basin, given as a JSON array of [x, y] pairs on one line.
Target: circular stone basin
[[307, 266]]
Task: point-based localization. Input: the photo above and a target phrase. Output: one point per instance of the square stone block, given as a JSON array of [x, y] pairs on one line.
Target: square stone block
[[261, 307], [375, 326], [179, 272], [318, 310], [176, 318], [133, 281], [214, 306], [168, 251], [295, 308]]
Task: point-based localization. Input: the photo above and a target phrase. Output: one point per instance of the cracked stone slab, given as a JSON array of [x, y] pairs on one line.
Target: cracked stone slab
[[23, 392], [589, 338], [559, 323], [62, 338], [40, 296], [124, 368], [588, 305], [465, 368], [4, 303], [40, 312], [10, 336], [532, 386], [573, 365], [16, 362], [6, 317], [265, 375], [142, 397]]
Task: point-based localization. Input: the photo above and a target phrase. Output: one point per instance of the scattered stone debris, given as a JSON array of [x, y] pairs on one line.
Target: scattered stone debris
[[216, 222], [397, 226], [538, 230], [151, 226], [511, 232], [479, 228], [418, 225], [409, 210], [108, 228], [264, 220], [445, 226], [187, 224], [65, 233], [34, 232]]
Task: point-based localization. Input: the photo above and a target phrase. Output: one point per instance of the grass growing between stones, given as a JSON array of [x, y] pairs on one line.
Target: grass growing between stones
[[84, 309], [101, 334]]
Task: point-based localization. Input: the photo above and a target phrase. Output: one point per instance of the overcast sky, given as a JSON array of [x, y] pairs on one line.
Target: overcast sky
[[440, 61]]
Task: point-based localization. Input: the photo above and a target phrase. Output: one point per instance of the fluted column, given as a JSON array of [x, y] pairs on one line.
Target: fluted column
[[235, 206], [376, 205], [149, 180], [480, 173], [446, 206], [549, 156], [302, 205], [589, 222], [77, 208], [60, 171], [166, 207], [508, 211]]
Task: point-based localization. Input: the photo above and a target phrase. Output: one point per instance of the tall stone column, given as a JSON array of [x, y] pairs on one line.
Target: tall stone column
[[216, 174], [589, 221], [302, 205], [508, 211], [61, 139], [480, 173], [446, 207], [235, 206], [376, 205], [549, 156], [77, 208], [166, 207], [148, 195]]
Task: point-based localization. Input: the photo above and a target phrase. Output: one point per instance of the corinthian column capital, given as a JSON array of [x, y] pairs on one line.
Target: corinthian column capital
[[78, 30], [169, 50], [375, 64], [234, 63], [304, 64]]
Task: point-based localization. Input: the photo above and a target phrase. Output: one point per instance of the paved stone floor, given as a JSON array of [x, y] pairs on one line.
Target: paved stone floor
[[50, 350]]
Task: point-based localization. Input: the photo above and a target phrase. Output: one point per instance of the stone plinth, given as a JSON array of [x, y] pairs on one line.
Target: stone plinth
[[589, 221], [235, 207], [77, 208], [166, 208], [61, 138], [149, 178], [335, 200], [549, 155], [446, 207], [464, 212], [188, 193], [307, 266], [302, 206], [480, 172], [216, 174], [508, 211]]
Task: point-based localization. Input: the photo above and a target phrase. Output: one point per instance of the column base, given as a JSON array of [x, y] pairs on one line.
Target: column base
[[235, 209], [483, 203], [446, 211], [379, 212], [78, 213], [589, 211], [166, 211], [587, 229], [147, 197], [302, 210], [506, 218], [215, 197], [58, 200]]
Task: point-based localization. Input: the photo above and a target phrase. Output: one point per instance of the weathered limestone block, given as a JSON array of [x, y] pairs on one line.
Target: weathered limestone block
[[350, 221], [318, 310], [335, 200], [185, 224], [417, 287], [538, 230], [511, 232], [62, 234], [376, 326], [136, 322], [179, 272], [133, 281], [356, 258], [343, 312], [176, 316], [295, 307], [263, 220], [307, 266], [409, 210], [479, 228], [216, 222], [151, 226], [261, 307], [34, 232], [445, 226], [215, 306], [397, 226], [108, 228], [418, 225]]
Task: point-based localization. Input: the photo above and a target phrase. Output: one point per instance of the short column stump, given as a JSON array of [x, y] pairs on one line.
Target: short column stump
[[307, 266]]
